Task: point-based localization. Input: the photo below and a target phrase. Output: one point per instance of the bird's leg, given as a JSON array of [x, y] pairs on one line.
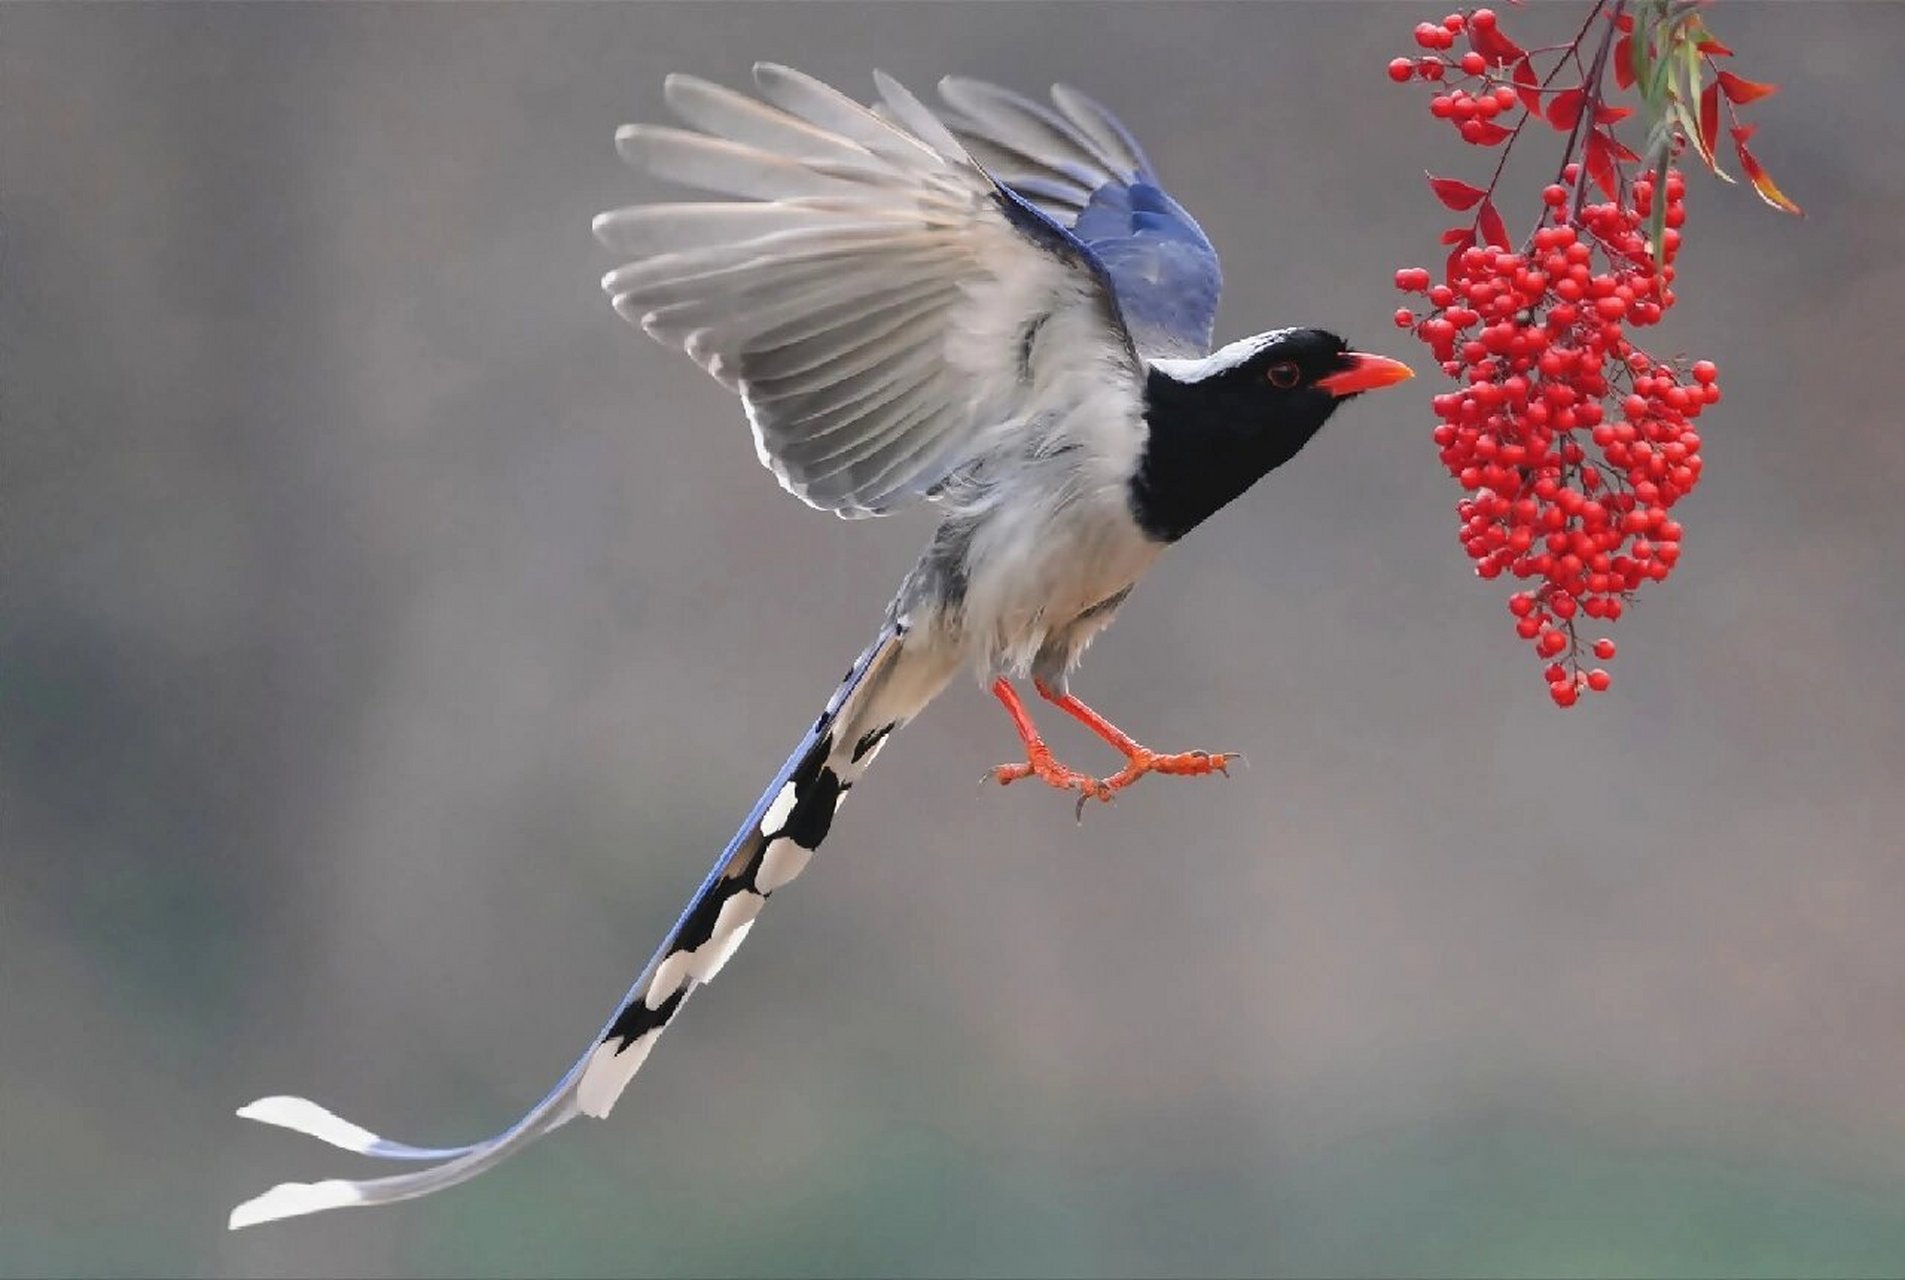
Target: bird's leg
[[1139, 759], [1038, 757]]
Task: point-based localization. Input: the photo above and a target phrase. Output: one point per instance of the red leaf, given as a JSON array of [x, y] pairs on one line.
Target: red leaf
[[1605, 114], [1743, 133], [1489, 222], [1493, 45], [1463, 236], [1527, 86], [1600, 164], [1763, 182], [1709, 123], [1455, 254], [1624, 61], [1741, 90], [1487, 133], [1622, 152], [1454, 193], [1713, 48], [1565, 111]]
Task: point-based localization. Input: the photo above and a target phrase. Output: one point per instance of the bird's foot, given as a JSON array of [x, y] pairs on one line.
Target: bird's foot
[[1181, 764], [1139, 760], [1039, 763]]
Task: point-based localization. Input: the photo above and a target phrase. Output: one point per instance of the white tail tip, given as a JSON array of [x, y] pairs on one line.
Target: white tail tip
[[301, 1115], [290, 1199]]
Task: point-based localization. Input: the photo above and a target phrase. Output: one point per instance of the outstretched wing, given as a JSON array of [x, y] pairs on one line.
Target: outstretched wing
[[1083, 169], [883, 307]]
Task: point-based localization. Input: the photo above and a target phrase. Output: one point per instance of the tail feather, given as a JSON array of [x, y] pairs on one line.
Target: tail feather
[[781, 833]]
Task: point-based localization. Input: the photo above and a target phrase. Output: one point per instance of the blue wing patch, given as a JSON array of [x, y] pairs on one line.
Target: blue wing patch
[[1082, 169]]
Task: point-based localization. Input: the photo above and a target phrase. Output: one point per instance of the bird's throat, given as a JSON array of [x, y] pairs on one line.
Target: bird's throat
[[1204, 448]]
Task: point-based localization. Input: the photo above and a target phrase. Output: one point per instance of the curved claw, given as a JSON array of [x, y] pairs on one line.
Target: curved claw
[[1042, 766], [1220, 761]]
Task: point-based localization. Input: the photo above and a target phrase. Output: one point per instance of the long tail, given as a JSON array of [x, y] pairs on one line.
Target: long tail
[[782, 831]]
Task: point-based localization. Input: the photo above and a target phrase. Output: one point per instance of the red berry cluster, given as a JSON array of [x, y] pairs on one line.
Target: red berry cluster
[[1571, 443], [1471, 112]]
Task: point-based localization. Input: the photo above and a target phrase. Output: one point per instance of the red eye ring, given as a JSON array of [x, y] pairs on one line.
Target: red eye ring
[[1284, 374]]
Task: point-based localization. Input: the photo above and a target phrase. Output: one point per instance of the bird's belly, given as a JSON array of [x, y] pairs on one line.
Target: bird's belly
[[1037, 594]]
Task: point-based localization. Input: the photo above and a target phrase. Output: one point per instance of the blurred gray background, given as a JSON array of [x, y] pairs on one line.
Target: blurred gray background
[[391, 636]]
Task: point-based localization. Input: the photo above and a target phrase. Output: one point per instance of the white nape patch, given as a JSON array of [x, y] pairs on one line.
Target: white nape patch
[[674, 970], [782, 861], [1222, 360], [301, 1115], [291, 1199], [776, 816], [609, 1072]]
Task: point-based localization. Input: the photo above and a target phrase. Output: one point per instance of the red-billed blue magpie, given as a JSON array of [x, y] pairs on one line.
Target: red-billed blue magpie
[[996, 309]]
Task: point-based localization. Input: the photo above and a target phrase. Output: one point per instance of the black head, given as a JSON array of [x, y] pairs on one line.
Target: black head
[[1221, 423]]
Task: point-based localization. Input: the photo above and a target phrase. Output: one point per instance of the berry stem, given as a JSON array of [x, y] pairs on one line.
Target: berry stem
[[1590, 105], [1571, 49]]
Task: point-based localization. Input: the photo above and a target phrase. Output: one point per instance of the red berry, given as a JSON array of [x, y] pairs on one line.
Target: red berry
[[1401, 69]]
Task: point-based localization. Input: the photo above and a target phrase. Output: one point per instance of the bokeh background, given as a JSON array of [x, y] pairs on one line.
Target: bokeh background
[[391, 636]]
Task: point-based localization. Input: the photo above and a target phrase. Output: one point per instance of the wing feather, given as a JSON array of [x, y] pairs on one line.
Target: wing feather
[[827, 333], [870, 293], [1113, 141], [1074, 162], [1023, 127]]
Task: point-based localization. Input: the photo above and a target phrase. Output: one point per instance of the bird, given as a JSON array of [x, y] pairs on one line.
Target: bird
[[992, 306]]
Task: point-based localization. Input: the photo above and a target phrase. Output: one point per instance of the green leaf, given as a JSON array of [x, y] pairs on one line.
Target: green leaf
[[1691, 59], [1659, 148], [1657, 221], [1694, 63], [1691, 127], [1658, 76], [1681, 12], [1637, 57]]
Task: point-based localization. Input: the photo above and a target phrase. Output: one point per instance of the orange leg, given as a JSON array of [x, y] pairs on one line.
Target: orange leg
[[1140, 760], [1038, 757]]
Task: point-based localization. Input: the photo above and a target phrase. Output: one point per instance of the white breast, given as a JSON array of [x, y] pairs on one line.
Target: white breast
[[1056, 537]]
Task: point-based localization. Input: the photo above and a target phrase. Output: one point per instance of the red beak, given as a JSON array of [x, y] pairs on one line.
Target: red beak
[[1365, 373]]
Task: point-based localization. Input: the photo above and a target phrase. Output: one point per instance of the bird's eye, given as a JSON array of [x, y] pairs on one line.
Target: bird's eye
[[1284, 374]]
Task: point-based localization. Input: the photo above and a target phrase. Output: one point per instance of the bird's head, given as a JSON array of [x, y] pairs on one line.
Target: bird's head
[[1219, 423], [1286, 382]]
